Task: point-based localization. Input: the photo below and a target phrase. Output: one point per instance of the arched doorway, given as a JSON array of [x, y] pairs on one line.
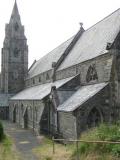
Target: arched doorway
[[26, 119], [14, 115], [94, 118]]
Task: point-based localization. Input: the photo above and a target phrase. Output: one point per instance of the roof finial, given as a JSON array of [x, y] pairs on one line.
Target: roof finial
[[81, 25]]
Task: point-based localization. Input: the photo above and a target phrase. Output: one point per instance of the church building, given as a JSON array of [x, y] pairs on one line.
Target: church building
[[74, 87]]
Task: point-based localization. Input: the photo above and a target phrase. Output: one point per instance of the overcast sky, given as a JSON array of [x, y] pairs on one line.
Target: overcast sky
[[48, 23]]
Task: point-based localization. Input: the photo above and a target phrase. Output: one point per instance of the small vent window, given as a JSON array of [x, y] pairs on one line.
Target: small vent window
[[16, 52]]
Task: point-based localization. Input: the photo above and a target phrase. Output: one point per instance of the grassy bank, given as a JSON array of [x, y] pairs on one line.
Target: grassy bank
[[45, 151], [86, 151], [7, 150], [101, 151]]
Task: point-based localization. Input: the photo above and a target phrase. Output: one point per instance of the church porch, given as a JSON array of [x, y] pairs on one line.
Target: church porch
[[86, 108]]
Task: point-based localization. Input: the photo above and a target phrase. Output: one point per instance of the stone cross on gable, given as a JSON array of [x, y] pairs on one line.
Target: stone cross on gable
[[81, 24]]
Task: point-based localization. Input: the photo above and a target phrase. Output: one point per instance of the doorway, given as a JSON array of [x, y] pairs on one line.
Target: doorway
[[14, 115], [94, 118], [26, 119]]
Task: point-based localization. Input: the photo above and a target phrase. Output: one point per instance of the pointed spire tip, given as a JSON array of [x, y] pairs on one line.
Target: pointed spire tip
[[15, 12]]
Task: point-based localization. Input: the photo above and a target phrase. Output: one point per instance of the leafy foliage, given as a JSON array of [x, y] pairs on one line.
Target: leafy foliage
[[102, 133], [1, 132]]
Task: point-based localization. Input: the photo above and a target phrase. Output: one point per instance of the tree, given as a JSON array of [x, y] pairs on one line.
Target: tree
[[1, 132]]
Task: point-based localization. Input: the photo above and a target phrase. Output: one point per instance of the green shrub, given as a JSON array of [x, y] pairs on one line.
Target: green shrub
[[1, 132], [48, 158], [102, 133]]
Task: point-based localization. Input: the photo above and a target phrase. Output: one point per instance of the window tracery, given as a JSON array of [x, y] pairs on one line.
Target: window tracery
[[91, 73]]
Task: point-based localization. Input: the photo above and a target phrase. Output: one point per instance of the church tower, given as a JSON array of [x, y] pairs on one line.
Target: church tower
[[14, 55]]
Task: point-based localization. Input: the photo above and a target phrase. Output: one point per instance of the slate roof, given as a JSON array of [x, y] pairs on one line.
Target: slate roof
[[40, 91], [4, 100], [83, 94], [91, 44], [45, 63], [94, 40]]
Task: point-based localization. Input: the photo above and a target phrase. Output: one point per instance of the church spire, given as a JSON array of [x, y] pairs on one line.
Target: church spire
[[15, 68], [15, 14]]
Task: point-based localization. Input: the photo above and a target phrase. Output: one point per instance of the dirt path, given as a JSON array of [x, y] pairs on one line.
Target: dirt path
[[24, 140]]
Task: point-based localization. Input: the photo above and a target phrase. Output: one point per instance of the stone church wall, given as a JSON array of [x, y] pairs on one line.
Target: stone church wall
[[67, 125], [115, 86], [101, 102], [73, 123], [34, 113], [39, 115], [101, 64], [39, 79]]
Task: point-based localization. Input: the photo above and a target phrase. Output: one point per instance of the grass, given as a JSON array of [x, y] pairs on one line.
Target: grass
[[86, 151], [7, 150], [100, 151], [45, 151]]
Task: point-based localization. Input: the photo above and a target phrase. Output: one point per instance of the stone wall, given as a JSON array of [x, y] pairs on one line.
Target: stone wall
[[71, 124], [101, 102], [67, 125], [115, 86], [34, 111], [14, 58], [102, 65], [42, 78]]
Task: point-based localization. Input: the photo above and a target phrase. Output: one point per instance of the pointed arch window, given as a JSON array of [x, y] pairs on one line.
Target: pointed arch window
[[91, 73]]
